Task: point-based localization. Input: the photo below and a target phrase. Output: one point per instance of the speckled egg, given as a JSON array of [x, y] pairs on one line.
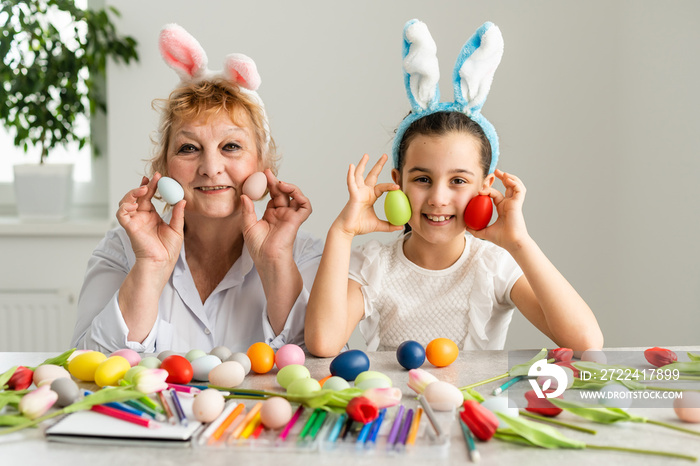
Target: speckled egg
[[228, 374], [275, 412], [208, 405], [202, 366], [289, 354]]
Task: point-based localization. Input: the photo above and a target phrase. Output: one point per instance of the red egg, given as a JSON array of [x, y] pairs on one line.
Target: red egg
[[179, 369], [478, 213]]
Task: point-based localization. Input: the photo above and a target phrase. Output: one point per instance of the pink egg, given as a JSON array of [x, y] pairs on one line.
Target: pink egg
[[255, 186], [289, 354], [130, 355], [687, 407]]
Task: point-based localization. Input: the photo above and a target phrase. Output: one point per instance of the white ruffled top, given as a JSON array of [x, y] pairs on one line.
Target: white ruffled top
[[468, 302]]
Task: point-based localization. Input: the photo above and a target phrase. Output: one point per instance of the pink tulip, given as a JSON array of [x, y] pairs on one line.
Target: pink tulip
[[35, 403], [383, 397], [151, 380], [418, 379]]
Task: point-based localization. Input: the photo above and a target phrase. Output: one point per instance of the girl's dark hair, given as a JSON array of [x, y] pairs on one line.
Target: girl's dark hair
[[437, 124]]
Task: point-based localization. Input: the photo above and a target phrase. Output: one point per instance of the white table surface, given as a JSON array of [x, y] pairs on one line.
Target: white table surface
[[29, 446]]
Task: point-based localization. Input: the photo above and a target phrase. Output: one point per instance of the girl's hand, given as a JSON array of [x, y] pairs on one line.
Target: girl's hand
[[152, 239], [275, 232], [358, 216], [509, 229]]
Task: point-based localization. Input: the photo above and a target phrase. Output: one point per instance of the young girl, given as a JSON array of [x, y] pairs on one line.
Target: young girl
[[438, 280]]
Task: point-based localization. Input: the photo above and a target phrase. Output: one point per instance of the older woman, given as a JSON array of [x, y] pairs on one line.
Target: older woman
[[211, 273]]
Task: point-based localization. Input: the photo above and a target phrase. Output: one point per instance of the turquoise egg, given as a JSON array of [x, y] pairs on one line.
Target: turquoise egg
[[170, 190]]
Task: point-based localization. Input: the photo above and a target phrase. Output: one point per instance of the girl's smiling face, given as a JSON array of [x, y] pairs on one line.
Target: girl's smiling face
[[211, 158], [441, 174]]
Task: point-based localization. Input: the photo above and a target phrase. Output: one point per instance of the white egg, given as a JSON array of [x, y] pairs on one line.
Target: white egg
[[254, 187], [443, 396], [228, 374], [47, 373], [687, 407], [201, 367], [207, 405], [500, 404], [170, 190]]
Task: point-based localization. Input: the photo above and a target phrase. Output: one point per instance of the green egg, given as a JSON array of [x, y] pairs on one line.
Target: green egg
[[397, 208], [195, 354], [336, 383], [290, 373], [368, 375], [373, 383], [150, 362], [303, 387]]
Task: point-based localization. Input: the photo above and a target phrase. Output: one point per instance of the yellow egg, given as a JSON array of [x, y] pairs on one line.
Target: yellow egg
[[83, 366], [111, 370]]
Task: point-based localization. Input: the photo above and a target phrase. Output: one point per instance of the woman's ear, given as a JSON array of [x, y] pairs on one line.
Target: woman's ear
[[396, 176], [486, 184]]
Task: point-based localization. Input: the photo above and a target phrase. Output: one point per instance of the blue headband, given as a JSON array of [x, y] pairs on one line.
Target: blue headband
[[472, 77]]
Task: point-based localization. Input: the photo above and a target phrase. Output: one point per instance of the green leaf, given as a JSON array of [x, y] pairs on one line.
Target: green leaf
[[522, 369], [691, 367], [11, 398], [596, 413], [471, 394], [694, 357], [60, 360], [538, 434], [12, 420], [106, 395], [7, 375]]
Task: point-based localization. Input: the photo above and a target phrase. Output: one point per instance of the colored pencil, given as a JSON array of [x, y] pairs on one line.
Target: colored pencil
[[403, 433], [126, 408], [252, 425], [346, 428], [431, 415], [413, 432], [246, 420], [231, 416], [136, 404], [362, 436], [283, 435], [178, 407], [498, 390], [394, 432], [337, 427], [374, 431], [309, 422], [166, 408], [258, 430], [151, 404], [124, 416], [318, 423], [469, 439], [184, 388]]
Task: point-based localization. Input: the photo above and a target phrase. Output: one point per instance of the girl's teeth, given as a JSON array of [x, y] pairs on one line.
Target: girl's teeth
[[441, 218]]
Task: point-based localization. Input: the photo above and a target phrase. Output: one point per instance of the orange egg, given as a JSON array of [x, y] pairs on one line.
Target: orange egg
[[323, 380], [441, 352], [262, 357]]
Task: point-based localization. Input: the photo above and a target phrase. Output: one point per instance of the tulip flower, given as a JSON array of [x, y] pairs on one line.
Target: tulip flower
[[383, 397], [560, 354], [362, 409], [21, 379], [418, 379], [35, 403], [660, 356], [541, 406], [151, 380], [482, 422]]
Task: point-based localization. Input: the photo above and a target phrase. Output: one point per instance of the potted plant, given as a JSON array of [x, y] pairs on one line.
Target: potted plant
[[51, 77]]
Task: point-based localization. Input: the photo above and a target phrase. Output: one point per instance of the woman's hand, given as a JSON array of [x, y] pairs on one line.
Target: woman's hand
[[509, 230], [276, 231], [152, 239], [358, 216]]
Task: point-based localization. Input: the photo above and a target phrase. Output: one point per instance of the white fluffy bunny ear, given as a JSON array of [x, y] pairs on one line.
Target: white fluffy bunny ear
[[182, 52], [475, 67], [241, 69], [420, 64]]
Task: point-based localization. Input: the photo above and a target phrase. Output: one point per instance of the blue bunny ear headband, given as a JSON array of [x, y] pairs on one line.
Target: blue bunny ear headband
[[472, 77]]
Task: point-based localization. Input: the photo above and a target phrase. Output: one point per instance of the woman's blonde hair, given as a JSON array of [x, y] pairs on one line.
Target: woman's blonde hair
[[192, 101]]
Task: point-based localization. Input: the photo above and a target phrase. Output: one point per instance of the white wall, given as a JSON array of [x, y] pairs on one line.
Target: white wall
[[595, 105]]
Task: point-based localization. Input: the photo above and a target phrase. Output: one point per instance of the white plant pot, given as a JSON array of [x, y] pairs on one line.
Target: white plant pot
[[43, 191]]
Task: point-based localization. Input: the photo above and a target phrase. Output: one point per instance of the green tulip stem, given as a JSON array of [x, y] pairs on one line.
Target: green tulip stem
[[31, 423], [556, 422], [645, 452], [484, 382], [671, 426]]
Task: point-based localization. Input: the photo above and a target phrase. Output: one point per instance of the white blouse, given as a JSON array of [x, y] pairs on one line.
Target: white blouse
[[468, 302], [234, 315]]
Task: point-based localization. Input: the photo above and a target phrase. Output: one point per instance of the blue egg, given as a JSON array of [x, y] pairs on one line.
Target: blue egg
[[349, 364], [170, 190], [410, 354]]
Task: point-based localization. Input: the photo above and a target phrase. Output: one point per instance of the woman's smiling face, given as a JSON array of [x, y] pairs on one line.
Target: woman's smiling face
[[441, 174], [211, 158]]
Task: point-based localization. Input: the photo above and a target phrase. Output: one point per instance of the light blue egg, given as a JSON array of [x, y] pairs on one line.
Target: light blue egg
[[170, 190], [202, 366], [336, 383]]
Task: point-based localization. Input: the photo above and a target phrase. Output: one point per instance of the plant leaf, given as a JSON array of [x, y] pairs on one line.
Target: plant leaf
[[538, 434], [693, 357], [596, 413], [523, 369], [11, 398], [690, 367], [12, 420], [60, 360], [471, 394], [7, 375], [105, 395]]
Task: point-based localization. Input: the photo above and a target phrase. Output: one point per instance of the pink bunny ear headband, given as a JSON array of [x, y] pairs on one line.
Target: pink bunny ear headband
[[186, 56]]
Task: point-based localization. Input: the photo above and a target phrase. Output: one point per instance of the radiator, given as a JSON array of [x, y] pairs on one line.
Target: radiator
[[36, 320]]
